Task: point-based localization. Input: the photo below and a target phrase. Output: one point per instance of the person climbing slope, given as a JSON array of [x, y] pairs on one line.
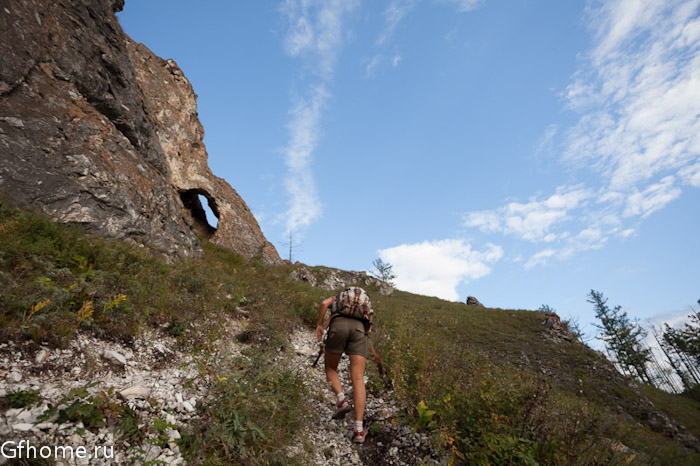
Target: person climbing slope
[[349, 325]]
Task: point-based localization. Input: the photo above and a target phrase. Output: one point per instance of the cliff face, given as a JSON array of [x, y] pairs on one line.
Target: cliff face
[[97, 130]]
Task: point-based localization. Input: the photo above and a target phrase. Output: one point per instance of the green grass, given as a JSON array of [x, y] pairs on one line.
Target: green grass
[[504, 393], [49, 273], [486, 382], [257, 411], [684, 409], [23, 398]]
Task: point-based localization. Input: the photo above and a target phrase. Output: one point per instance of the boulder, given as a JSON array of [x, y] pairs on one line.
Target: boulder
[[113, 356], [303, 274], [135, 392], [472, 301], [553, 322]]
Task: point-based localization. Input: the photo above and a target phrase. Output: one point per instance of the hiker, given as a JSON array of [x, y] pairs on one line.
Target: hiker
[[349, 325]]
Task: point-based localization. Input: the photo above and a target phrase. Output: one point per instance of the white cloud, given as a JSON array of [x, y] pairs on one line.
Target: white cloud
[[316, 30], [486, 220], [395, 13], [636, 93], [373, 65], [617, 21], [587, 239], [531, 221], [550, 237], [626, 233], [437, 268], [540, 258], [305, 207], [546, 143], [465, 5], [589, 235], [691, 175], [314, 34], [653, 198], [299, 38]]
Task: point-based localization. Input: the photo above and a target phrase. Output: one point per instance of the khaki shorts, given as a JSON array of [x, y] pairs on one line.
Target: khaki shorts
[[346, 335]]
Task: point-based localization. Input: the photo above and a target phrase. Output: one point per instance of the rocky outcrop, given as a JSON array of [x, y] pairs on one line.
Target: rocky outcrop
[[96, 130], [472, 301], [336, 279], [558, 330]]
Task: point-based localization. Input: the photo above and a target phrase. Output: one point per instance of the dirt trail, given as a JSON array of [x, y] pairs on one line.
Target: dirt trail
[[387, 444], [157, 380]]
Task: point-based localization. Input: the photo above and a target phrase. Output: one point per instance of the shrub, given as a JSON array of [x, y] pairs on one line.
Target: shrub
[[23, 398], [254, 408]]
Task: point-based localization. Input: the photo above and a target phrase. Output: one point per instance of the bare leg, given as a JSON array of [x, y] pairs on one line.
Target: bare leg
[[357, 375], [331, 364]]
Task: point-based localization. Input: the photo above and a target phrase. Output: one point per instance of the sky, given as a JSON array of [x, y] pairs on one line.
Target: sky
[[521, 151]]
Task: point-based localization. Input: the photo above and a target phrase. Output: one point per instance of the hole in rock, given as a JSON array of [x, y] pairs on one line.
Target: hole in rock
[[203, 210]]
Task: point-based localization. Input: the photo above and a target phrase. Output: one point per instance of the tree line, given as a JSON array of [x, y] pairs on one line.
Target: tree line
[[624, 340]]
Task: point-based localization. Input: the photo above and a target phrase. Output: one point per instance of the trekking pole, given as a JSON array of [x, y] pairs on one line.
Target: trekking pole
[[322, 349], [378, 360]]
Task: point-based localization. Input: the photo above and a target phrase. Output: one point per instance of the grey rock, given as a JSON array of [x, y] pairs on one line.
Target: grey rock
[[23, 427], [114, 357], [153, 452], [159, 348], [386, 289], [187, 406], [173, 434], [12, 121], [303, 274], [135, 392], [472, 301], [557, 329], [42, 356], [26, 416]]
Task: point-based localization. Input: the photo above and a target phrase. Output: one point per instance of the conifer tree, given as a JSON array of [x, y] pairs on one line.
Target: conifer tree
[[623, 338], [383, 271], [682, 348]]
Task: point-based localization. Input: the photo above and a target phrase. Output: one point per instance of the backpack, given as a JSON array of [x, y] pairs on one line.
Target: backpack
[[353, 302]]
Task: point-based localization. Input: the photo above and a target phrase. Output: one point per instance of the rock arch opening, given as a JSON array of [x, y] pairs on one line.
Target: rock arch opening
[[202, 209]]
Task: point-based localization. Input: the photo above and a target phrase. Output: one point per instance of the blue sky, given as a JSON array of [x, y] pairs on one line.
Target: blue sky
[[523, 152]]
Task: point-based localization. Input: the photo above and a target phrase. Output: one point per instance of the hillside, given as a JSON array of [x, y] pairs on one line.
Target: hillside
[[137, 333], [216, 368]]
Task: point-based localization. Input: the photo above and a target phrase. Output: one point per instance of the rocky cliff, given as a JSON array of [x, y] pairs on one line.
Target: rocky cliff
[[96, 130]]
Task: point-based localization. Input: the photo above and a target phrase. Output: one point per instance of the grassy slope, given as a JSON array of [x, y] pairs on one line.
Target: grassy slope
[[503, 391], [496, 389]]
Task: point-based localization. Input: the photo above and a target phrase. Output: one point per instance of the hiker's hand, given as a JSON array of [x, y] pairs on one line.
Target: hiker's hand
[[319, 332]]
